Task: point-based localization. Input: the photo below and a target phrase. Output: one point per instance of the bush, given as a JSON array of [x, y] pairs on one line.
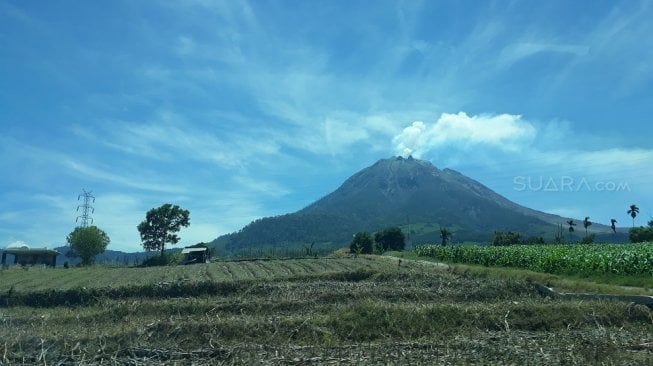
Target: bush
[[362, 243], [641, 234], [534, 240], [168, 259], [391, 238], [502, 239], [589, 239]]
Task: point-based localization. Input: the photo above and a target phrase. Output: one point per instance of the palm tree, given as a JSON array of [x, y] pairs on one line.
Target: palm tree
[[445, 234], [586, 223], [612, 225], [571, 224], [634, 210]]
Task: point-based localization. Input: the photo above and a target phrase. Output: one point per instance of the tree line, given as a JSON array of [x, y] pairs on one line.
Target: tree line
[[159, 229], [391, 238], [161, 225], [635, 234]]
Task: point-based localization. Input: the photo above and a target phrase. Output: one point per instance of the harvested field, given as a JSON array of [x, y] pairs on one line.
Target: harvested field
[[366, 310]]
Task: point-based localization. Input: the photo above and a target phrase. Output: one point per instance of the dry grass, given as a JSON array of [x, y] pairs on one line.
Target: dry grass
[[355, 311]]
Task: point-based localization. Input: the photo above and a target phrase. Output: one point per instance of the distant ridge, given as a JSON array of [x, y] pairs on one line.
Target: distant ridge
[[405, 192]]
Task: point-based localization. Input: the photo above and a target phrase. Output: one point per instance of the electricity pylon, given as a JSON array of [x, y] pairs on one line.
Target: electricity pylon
[[87, 209]]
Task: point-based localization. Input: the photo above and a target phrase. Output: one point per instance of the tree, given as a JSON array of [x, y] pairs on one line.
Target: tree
[[587, 223], [633, 211], [571, 224], [533, 240], [391, 238], [87, 242], [362, 243], [445, 235], [160, 226], [613, 226], [641, 234], [509, 238]]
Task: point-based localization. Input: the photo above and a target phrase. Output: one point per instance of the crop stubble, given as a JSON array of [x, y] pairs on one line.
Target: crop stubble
[[323, 311]]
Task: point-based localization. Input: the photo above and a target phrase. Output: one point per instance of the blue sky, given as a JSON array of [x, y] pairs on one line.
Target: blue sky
[[237, 110]]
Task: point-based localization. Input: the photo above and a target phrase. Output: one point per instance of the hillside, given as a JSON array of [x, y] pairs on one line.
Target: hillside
[[410, 193]]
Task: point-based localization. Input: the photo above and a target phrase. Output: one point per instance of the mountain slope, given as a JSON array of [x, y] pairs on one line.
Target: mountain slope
[[397, 192]]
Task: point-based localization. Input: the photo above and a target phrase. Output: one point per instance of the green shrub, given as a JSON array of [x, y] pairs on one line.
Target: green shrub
[[391, 238], [589, 239], [362, 243], [168, 259], [500, 238], [641, 234]]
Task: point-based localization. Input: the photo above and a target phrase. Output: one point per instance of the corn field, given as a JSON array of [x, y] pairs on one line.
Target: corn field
[[622, 259]]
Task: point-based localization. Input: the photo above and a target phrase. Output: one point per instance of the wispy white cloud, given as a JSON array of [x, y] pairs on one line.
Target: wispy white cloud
[[628, 164], [41, 220], [234, 12], [16, 13], [171, 138], [290, 80], [8, 216], [267, 188], [24, 156], [518, 51], [186, 46], [620, 41], [340, 135]]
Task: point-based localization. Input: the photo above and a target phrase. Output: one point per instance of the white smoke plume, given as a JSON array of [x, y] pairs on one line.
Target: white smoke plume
[[504, 131], [409, 140]]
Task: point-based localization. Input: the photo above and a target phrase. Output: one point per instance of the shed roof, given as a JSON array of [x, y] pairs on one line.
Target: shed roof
[[194, 250], [26, 250]]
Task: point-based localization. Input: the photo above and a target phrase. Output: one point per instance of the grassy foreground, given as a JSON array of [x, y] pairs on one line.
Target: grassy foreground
[[366, 310]]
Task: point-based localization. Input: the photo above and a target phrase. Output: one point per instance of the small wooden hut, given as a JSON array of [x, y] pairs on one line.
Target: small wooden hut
[[27, 256], [196, 254]]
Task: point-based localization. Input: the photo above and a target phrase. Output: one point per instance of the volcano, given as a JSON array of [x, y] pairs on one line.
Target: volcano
[[406, 192]]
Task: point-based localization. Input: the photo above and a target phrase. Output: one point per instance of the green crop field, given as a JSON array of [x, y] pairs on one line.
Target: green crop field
[[340, 311], [618, 259]]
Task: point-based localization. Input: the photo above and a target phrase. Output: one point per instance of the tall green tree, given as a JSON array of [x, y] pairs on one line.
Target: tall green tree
[[362, 243], [633, 211], [87, 242], [161, 225], [587, 223], [445, 235], [391, 238]]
